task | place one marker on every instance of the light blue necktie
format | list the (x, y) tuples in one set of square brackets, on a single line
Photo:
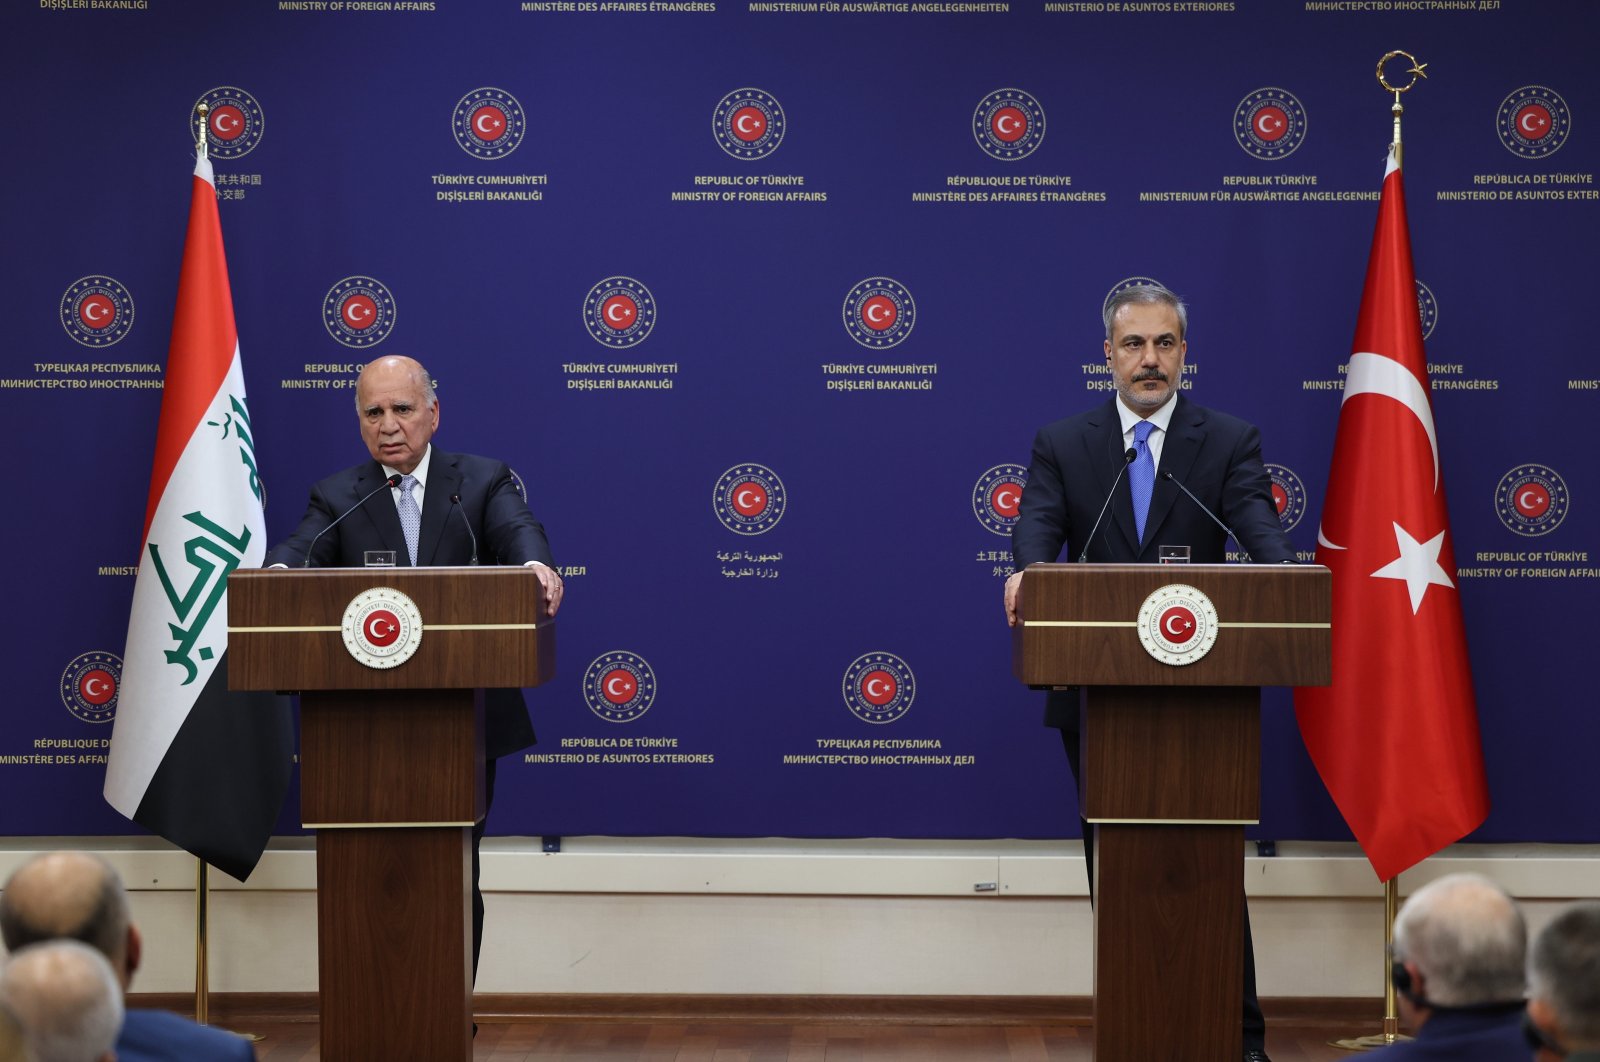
[(1142, 476), (411, 516)]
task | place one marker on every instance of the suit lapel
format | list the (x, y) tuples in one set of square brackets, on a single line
[(1106, 451), (1185, 435), (444, 482), (380, 511)]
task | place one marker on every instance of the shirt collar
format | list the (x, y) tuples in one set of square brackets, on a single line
[(1160, 418)]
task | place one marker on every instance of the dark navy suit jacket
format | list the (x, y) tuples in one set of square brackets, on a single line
[(489, 502), (1479, 1034), (161, 1036), (1075, 461)]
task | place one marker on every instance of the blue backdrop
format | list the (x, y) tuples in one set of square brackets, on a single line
[(784, 206)]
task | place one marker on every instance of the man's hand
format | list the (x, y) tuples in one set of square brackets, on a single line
[(553, 587), (1013, 597)]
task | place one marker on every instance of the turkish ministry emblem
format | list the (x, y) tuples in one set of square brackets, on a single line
[(749, 499), (619, 686), (879, 687), (1288, 495), (619, 312), (1177, 624), (1008, 124), (89, 686), (234, 124), (997, 498), (748, 124), (382, 627), (1531, 500), (1533, 122), (488, 123), (1270, 123), (97, 311), (879, 313), (358, 312)]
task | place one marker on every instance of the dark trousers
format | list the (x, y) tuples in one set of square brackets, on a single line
[(1255, 1026), (477, 839)]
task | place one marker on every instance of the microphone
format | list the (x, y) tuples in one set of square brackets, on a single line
[(1226, 530), (1127, 459), (391, 483), (455, 503)]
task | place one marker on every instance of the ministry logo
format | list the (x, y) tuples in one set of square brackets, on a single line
[(488, 123), (749, 499), (1008, 124), (1533, 122), (619, 312), (234, 124), (1531, 500), (1288, 495), (89, 686), (619, 686), (1270, 123), (997, 497), (1427, 309), (748, 124), (879, 687), (97, 311), (879, 313), (358, 312)]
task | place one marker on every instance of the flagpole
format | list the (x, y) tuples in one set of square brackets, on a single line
[(202, 886), (1391, 888)]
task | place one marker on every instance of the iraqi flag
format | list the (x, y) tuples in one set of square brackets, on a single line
[(205, 768), (1395, 737)]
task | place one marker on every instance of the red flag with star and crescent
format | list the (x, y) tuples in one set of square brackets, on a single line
[(1395, 737)]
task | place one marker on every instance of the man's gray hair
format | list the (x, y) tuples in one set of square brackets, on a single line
[(67, 998), (1147, 295), (72, 895), (1564, 972), (1467, 937)]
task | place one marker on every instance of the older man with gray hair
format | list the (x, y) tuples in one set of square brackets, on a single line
[(1459, 947), (67, 998), (1563, 1017), (79, 896)]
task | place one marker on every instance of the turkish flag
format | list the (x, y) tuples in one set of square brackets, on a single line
[(1395, 737)]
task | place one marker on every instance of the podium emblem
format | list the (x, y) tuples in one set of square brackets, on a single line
[(382, 627), (1177, 624)]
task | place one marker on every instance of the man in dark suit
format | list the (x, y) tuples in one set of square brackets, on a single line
[(1077, 461), (78, 896), (1460, 943), (448, 509)]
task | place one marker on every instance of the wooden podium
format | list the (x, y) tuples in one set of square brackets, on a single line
[(391, 778), (1171, 775)]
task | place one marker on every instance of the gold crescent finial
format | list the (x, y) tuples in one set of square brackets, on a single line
[(1418, 72), (201, 110)]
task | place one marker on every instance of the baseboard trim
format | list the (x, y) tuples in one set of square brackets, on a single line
[(238, 1008)]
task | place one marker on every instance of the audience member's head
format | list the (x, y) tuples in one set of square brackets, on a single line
[(13, 1044), (1459, 942), (72, 895), (68, 1000), (1564, 984)]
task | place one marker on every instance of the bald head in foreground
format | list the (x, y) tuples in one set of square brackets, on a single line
[(78, 897)]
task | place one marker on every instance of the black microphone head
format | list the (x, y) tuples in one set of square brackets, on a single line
[(1166, 475), (394, 481), (455, 499), (1129, 455)]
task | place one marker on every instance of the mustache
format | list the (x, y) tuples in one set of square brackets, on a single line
[(1148, 374)]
